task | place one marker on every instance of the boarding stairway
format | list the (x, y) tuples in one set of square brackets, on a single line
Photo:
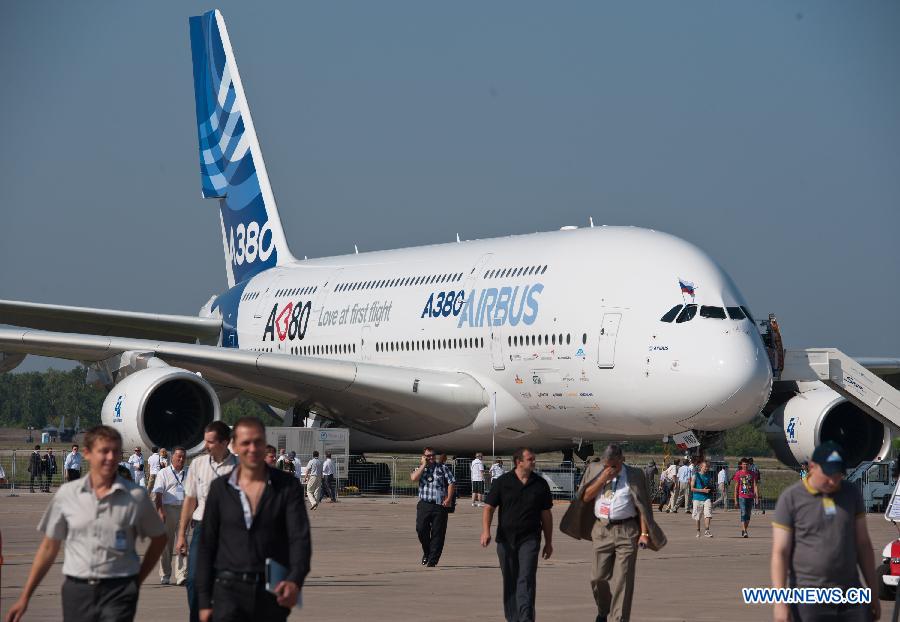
[(848, 377)]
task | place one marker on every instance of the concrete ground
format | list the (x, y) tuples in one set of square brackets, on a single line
[(366, 566)]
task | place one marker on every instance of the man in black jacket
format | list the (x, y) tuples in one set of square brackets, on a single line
[(254, 514), (36, 466)]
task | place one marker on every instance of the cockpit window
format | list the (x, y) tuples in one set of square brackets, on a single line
[(716, 313), (748, 314), (671, 313), (736, 313), (687, 314)]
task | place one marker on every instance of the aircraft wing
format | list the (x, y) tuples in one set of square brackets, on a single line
[(400, 403), (181, 328)]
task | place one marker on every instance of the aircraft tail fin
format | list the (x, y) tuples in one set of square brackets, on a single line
[(231, 163)]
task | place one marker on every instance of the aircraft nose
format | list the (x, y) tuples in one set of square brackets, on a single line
[(740, 383)]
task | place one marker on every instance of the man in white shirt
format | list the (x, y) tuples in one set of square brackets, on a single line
[(722, 485), (623, 523), (72, 465), (685, 472), (671, 476), (476, 469), (217, 461), (153, 466), (168, 497), (136, 464), (496, 470), (313, 478), (328, 483), (298, 465)]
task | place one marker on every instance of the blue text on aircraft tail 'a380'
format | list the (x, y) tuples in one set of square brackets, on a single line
[(231, 165)]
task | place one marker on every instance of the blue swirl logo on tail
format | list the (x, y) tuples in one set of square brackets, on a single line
[(227, 167)]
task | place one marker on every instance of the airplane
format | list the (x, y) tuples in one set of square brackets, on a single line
[(548, 340)]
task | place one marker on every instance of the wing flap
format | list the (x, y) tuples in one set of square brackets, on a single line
[(84, 320), (399, 403)]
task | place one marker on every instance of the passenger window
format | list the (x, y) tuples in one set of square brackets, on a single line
[(671, 314), (687, 314), (735, 313), (715, 313)]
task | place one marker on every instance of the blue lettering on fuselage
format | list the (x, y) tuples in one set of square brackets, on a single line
[(500, 306)]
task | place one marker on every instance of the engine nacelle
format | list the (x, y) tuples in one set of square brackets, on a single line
[(161, 406), (820, 415)]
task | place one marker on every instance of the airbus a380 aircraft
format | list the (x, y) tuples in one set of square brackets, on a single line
[(577, 334)]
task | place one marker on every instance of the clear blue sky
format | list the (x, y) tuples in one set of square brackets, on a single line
[(767, 133)]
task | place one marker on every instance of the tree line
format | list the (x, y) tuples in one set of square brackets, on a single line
[(40, 399)]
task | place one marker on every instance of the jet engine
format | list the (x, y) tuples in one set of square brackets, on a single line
[(822, 414), (161, 406)]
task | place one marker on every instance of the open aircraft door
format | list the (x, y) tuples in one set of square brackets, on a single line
[(606, 344)]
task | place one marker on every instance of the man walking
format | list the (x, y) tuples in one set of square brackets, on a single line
[(525, 501), (613, 510), (136, 464), (722, 485), (701, 490), (672, 474), (100, 517), (217, 461), (72, 465), (329, 483), (153, 467), (476, 471), (685, 473), (650, 473), (262, 508), (168, 496), (745, 494), (820, 540), (436, 487), (36, 466), (50, 468), (314, 481)]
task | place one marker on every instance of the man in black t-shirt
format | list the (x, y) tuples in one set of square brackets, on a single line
[(525, 501)]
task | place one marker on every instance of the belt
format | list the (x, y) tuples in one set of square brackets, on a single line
[(106, 581), (195, 523), (610, 523), (243, 577)]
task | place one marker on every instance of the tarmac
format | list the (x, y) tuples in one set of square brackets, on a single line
[(366, 565)]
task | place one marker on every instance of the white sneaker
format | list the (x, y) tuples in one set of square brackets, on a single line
[(707, 534), (698, 533)]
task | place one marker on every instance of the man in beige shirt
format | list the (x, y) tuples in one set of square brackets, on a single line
[(100, 517), (217, 461)]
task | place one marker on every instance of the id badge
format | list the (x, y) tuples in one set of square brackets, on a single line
[(604, 509), (828, 505), (121, 540)]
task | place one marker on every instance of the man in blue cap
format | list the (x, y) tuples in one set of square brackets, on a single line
[(820, 540)]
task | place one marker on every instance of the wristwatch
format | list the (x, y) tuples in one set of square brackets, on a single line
[(645, 535)]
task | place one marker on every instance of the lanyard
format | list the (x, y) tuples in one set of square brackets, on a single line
[(179, 481)]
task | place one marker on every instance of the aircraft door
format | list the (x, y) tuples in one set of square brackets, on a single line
[(497, 354), (365, 344), (606, 345)]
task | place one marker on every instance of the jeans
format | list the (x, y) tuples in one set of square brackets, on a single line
[(746, 509), (193, 550)]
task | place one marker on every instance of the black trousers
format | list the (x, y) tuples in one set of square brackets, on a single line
[(35, 476), (518, 563), (431, 525), (831, 613), (330, 487), (112, 600), (236, 601), (72, 475)]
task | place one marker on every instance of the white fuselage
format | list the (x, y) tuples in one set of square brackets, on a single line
[(563, 326)]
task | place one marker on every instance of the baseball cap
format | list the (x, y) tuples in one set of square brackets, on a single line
[(830, 457)]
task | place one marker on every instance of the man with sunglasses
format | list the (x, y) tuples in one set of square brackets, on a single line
[(436, 487)]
